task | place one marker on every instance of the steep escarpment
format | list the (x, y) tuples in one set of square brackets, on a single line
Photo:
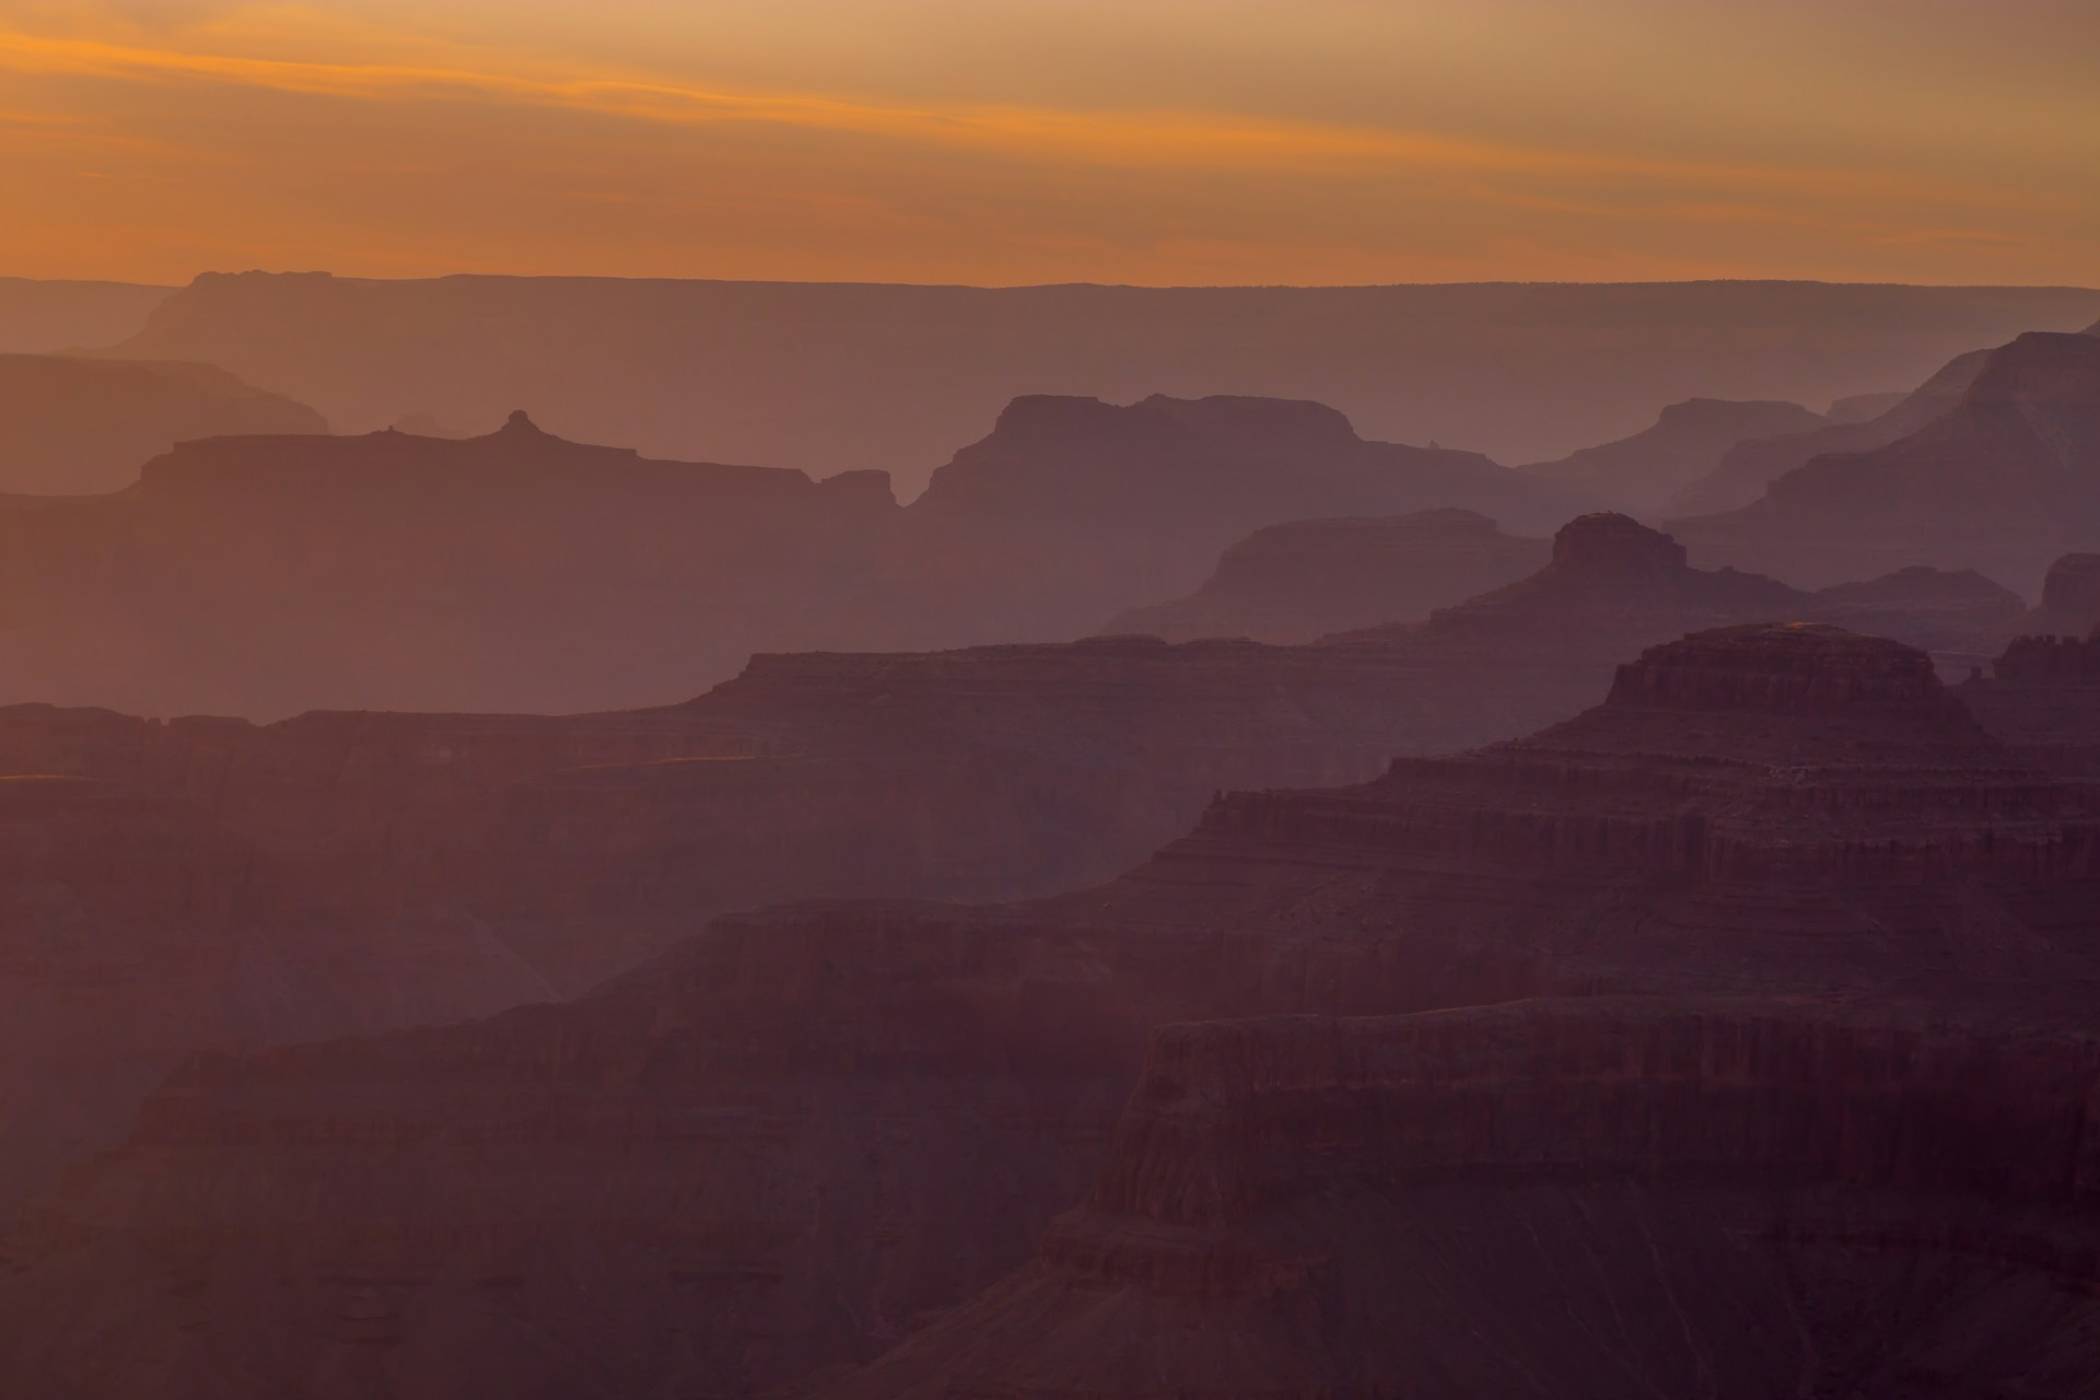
[(1747, 468), (1584, 1198), (74, 426), (2005, 481), (1296, 582), (405, 868), (2070, 605), (266, 575), (788, 1142), (1112, 503), (1647, 471)]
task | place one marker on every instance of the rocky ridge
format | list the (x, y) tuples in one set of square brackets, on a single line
[(1648, 471), (808, 1127), (2004, 481)]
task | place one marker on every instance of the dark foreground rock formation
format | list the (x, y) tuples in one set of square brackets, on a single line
[(210, 882), (1648, 471), (1796, 1081), (1297, 582), (75, 426), (2005, 481)]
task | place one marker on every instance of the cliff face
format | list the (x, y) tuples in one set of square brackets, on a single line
[(784, 1144), (1646, 472), (1110, 503), (397, 869), (73, 426), (1748, 467), (1234, 463), (1296, 582), (266, 575), (2004, 481), (1567, 1199), (2070, 605)]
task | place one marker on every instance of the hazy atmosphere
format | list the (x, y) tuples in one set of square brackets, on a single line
[(833, 700)]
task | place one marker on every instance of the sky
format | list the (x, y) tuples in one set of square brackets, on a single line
[(1025, 141)]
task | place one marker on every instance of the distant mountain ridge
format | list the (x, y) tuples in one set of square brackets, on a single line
[(41, 317), (840, 376), (519, 570), (1644, 472), (72, 425), (2005, 479)]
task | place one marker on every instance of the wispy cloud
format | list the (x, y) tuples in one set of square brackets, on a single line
[(1135, 138)]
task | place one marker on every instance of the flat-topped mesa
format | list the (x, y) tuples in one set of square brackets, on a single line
[(1203, 465), (1784, 668), (1625, 579), (1618, 546), (1866, 716), (1758, 757)]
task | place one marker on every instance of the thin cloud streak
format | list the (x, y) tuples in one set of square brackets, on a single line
[(1135, 138)]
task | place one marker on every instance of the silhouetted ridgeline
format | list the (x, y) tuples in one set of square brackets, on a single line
[(1799, 1032), (834, 376)]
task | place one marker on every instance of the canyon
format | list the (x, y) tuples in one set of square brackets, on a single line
[(1779, 891)]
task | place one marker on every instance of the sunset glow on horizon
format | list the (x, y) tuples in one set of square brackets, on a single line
[(1161, 141)]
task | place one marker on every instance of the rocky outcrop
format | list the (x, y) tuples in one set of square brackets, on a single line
[(2070, 605), (73, 426), (2004, 481), (1646, 472), (1229, 462), (791, 1142), (1296, 582)]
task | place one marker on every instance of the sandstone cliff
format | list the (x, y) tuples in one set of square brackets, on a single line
[(1572, 1199)]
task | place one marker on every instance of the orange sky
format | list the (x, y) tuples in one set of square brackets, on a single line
[(1002, 141)]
